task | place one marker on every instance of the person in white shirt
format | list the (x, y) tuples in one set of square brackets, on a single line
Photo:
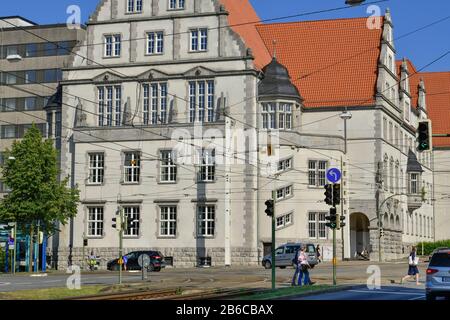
[(413, 262)]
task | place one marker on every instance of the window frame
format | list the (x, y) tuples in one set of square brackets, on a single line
[(207, 169), (209, 223), (96, 222), (116, 46), (134, 211), (98, 169), (134, 169), (170, 221), (167, 163), (197, 46), (156, 42), (319, 173), (202, 107)]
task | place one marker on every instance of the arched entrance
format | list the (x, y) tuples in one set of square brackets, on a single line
[(359, 233)]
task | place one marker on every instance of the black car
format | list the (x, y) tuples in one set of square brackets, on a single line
[(156, 261)]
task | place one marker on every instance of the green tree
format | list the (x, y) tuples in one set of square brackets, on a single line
[(36, 192)]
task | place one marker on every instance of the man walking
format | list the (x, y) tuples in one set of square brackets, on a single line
[(297, 267)]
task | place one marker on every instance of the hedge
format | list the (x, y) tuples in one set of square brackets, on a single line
[(428, 247)]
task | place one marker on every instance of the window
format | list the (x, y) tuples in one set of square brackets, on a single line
[(113, 45), (134, 6), (317, 172), (208, 166), (284, 165), (206, 220), (201, 100), (11, 50), (110, 106), (30, 104), (155, 103), (132, 167), (284, 221), (385, 129), (9, 105), (168, 221), (168, 166), (52, 75), (96, 168), (176, 4), (2, 158), (50, 49), (30, 77), (132, 213), (391, 175), (407, 111), (10, 78), (284, 193), (414, 183), (155, 42), (31, 50), (385, 173), (390, 63), (268, 115), (199, 39), (285, 116), (316, 225), (8, 132), (50, 125), (64, 48), (391, 136), (95, 221)]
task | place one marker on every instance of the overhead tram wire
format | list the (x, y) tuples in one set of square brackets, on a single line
[(168, 93)]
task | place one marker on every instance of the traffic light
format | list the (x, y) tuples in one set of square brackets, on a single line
[(342, 218), (424, 135), (332, 218), (41, 237), (381, 232), (270, 208), (117, 223), (328, 194), (336, 194), (85, 242)]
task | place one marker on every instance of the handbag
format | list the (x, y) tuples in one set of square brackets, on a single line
[(304, 267)]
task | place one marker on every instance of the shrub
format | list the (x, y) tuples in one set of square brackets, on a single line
[(2, 259), (428, 247)]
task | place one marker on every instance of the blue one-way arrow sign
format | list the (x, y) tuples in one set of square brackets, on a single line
[(333, 175)]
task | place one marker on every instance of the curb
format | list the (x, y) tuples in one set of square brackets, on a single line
[(328, 290)]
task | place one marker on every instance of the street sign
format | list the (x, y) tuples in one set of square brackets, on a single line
[(144, 260), (333, 175)]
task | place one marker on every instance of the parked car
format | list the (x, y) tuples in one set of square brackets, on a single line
[(285, 254), (156, 261), (438, 275)]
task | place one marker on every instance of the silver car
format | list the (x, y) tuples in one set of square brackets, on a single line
[(285, 254), (438, 275)]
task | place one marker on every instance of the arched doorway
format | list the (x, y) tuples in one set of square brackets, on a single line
[(359, 233)]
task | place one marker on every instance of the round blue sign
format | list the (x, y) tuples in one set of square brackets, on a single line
[(333, 175)]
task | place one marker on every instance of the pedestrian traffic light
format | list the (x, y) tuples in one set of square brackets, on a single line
[(270, 208), (332, 218), (381, 232), (336, 194), (117, 223), (328, 194), (85, 242), (424, 135)]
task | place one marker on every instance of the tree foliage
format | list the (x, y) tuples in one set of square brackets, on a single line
[(36, 192)]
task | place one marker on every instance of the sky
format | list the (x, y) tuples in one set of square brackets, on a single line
[(421, 47)]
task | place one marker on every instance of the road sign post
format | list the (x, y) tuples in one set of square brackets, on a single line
[(144, 262)]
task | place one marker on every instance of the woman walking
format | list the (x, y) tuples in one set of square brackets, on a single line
[(318, 253), (413, 262), (304, 268)]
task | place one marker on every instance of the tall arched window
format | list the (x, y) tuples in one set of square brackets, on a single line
[(397, 177), (385, 172)]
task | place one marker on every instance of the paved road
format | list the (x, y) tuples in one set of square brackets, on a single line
[(247, 277), (363, 293)]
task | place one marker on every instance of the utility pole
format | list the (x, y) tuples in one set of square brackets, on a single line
[(344, 116), (377, 204), (274, 196), (123, 224)]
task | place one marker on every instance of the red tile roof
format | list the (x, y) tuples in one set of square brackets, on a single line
[(437, 86), (243, 20), (332, 62)]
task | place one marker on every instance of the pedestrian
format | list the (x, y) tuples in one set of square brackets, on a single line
[(304, 268), (125, 260), (297, 268), (413, 262), (92, 261), (318, 253)]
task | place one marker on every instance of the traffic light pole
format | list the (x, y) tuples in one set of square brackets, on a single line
[(334, 247), (273, 241), (121, 245)]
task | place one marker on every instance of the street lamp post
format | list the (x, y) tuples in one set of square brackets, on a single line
[(344, 116), (14, 224)]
